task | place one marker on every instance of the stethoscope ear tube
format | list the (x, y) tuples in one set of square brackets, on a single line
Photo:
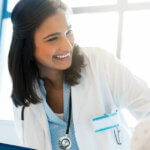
[(22, 113)]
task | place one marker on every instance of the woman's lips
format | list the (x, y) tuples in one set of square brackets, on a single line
[(63, 56)]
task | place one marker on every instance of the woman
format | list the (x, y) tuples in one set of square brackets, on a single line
[(67, 97)]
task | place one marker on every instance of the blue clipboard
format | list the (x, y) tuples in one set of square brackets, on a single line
[(12, 147)]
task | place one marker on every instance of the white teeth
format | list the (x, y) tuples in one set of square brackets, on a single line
[(63, 56)]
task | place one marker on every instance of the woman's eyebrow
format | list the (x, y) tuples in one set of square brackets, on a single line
[(57, 33)]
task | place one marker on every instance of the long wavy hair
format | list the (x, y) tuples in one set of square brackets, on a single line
[(26, 17)]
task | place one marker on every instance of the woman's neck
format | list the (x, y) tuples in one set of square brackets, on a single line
[(56, 84), (52, 79)]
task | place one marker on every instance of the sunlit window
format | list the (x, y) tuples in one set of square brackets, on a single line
[(11, 4), (96, 29), (6, 112), (136, 43), (135, 1), (83, 3)]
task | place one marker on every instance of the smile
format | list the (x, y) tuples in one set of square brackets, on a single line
[(63, 56)]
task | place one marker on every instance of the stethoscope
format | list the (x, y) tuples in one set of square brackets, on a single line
[(22, 110), (64, 142), (22, 113)]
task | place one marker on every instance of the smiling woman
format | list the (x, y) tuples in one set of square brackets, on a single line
[(40, 50), (54, 44), (65, 96)]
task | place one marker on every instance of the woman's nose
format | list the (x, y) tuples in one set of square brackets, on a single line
[(66, 44)]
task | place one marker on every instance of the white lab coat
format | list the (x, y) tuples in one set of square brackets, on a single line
[(105, 84)]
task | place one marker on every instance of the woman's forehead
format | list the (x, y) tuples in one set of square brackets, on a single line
[(57, 23), (54, 23)]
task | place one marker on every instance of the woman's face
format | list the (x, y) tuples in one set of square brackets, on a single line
[(54, 43)]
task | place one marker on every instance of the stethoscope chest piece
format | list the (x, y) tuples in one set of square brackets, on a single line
[(64, 143)]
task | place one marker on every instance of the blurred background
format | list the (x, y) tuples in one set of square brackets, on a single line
[(121, 27)]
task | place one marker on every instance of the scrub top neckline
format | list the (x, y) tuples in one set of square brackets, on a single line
[(51, 115)]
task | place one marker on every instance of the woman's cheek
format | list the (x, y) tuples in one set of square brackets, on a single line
[(52, 50)]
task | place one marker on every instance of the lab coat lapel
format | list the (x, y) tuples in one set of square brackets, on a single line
[(36, 130), (82, 117), (87, 104)]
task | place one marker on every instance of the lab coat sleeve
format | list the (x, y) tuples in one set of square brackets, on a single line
[(127, 90)]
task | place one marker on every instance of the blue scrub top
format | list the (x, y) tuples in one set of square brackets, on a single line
[(57, 126)]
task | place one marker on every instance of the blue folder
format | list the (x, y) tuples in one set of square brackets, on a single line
[(12, 147)]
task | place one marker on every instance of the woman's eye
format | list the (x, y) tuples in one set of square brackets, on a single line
[(53, 39), (69, 32)]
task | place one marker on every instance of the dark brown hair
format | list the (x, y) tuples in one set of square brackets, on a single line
[(26, 17)]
